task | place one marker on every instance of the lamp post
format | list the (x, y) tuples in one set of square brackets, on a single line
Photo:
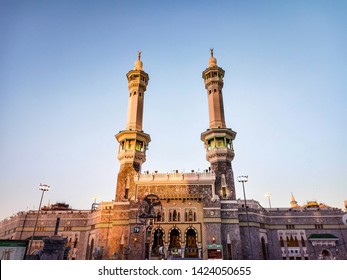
[(44, 188), (268, 195), (242, 179)]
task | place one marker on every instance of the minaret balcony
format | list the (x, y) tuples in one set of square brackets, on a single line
[(219, 154), (131, 155), (217, 133), (128, 135), (137, 84), (132, 146)]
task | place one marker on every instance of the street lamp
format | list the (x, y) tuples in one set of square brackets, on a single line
[(268, 195), (242, 179), (44, 188)]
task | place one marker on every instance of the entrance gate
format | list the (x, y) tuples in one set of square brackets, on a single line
[(191, 250)]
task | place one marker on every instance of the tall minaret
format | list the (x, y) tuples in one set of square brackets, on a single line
[(133, 142), (218, 138)]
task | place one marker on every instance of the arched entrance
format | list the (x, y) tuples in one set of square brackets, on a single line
[(191, 250), (326, 255), (174, 243), (91, 249), (158, 241), (263, 248)]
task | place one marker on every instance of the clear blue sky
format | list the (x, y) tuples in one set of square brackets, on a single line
[(63, 94)]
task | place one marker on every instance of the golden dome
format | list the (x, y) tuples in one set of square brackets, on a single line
[(313, 204)]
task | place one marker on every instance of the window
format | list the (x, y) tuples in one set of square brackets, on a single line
[(290, 226), (303, 242), (139, 146), (126, 194), (292, 241), (281, 242), (224, 192), (174, 215), (263, 248), (190, 215)]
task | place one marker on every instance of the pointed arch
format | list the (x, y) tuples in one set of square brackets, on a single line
[(326, 254), (263, 248), (191, 243), (158, 236), (174, 238)]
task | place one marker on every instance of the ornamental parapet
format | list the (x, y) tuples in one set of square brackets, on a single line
[(174, 178)]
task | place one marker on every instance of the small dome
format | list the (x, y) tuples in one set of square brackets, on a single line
[(138, 63), (212, 61), (312, 204)]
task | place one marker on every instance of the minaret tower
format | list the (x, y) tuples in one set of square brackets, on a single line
[(218, 138), (133, 142)]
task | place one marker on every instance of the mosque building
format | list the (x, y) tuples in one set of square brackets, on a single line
[(182, 215)]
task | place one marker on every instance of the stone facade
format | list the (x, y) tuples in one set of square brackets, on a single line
[(113, 232)]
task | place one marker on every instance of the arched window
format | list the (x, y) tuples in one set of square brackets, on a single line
[(263, 248), (174, 216), (281, 242), (91, 249), (190, 215), (296, 242), (303, 241)]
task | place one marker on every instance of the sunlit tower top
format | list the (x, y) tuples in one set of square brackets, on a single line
[(137, 85), (133, 142), (213, 77)]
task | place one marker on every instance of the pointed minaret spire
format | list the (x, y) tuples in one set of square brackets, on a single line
[(133, 142), (218, 138), (138, 63), (212, 62), (293, 202)]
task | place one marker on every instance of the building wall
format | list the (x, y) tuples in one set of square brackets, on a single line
[(111, 229)]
